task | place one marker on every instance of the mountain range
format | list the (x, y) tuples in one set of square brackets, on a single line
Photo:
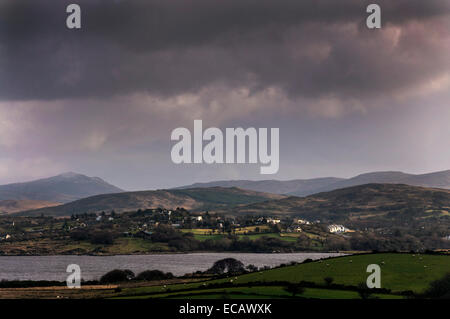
[(366, 202), (79, 193), (197, 199), (368, 205), (62, 188), (305, 187)]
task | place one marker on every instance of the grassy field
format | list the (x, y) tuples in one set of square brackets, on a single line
[(125, 246), (399, 272), (264, 292), (242, 232), (238, 231)]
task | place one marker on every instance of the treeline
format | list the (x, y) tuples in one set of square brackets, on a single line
[(358, 241), (119, 275), (368, 241)]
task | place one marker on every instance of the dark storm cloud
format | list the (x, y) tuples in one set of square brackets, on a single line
[(307, 48)]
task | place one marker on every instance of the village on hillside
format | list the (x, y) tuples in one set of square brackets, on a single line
[(166, 230)]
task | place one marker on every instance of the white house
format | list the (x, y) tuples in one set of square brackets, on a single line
[(7, 236), (301, 221), (273, 220), (337, 229)]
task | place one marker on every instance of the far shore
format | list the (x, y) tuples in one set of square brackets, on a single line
[(187, 252)]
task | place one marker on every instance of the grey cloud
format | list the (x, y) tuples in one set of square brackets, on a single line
[(307, 48)]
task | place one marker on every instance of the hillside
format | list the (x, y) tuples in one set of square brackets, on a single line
[(61, 188), (400, 272), (197, 199), (433, 180), (9, 206), (370, 201), (305, 187), (300, 186)]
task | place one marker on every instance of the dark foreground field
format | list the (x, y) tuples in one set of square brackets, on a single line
[(402, 276)]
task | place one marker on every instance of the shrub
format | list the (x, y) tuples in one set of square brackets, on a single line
[(79, 235), (328, 280), (102, 237), (363, 291), (117, 275), (439, 288), (227, 265), (252, 267), (149, 275), (294, 289)]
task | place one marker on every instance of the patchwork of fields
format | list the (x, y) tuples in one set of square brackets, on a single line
[(399, 273)]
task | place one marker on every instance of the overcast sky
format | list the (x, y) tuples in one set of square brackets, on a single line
[(103, 100)]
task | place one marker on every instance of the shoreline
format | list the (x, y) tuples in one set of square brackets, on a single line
[(185, 253), (345, 252)]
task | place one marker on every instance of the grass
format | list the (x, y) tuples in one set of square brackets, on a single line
[(212, 197), (242, 232), (239, 230), (198, 231), (257, 236), (135, 245), (399, 272), (270, 292), (205, 237)]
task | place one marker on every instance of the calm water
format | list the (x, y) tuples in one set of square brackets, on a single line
[(93, 267)]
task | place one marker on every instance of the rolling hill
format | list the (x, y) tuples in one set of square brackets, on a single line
[(301, 186), (363, 202), (433, 180), (61, 188), (197, 199), (9, 206), (305, 187), (400, 272)]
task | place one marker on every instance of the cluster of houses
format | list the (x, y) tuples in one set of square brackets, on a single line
[(148, 219)]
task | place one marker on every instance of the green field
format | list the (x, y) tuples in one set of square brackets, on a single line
[(399, 272), (242, 232)]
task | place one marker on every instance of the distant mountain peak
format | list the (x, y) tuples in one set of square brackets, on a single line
[(62, 188), (69, 174)]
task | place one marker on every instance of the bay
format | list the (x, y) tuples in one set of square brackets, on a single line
[(93, 267)]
